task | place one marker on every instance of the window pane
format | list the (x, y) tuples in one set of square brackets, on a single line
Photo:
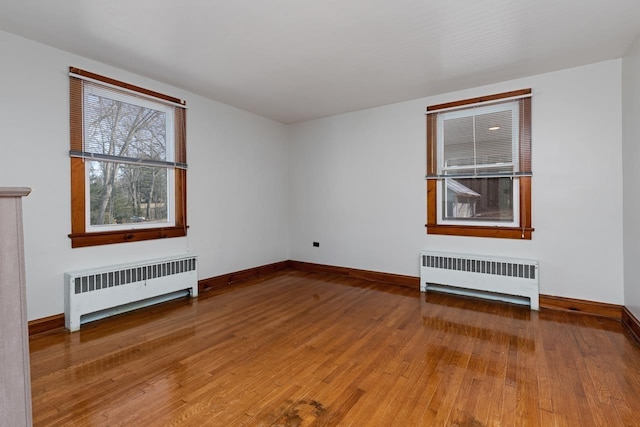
[(494, 138), (458, 143), (118, 128), (127, 194), (480, 199), (478, 137)]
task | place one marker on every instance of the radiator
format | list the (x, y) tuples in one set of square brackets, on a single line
[(110, 290), (506, 279)]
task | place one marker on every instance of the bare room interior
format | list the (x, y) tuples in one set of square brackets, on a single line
[(292, 213)]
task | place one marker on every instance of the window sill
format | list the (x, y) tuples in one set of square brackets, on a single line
[(480, 231), (81, 240)]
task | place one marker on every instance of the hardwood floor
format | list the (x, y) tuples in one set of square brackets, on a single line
[(301, 349)]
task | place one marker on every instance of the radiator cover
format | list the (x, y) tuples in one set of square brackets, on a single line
[(115, 289), (500, 278)]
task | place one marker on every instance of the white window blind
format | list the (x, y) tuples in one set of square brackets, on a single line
[(121, 127), (480, 141)]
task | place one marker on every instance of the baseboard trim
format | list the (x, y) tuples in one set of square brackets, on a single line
[(631, 323), (225, 280), (602, 309), (550, 302), (46, 324), (393, 279), (56, 321)]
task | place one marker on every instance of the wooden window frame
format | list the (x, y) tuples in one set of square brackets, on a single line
[(79, 235), (524, 230)]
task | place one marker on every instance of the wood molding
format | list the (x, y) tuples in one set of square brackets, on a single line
[(487, 98), (480, 231), (581, 306), (546, 301), (631, 323), (114, 82), (82, 240), (46, 324), (394, 279), (56, 321), (224, 280)]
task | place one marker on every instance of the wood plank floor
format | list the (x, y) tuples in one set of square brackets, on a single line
[(302, 349)]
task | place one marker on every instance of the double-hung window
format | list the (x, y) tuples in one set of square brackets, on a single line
[(128, 162), (479, 166)]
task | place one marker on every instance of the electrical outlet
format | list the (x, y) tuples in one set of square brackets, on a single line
[(316, 244)]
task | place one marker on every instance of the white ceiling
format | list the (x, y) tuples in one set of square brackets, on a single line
[(294, 60)]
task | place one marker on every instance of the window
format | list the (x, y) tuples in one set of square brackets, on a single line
[(479, 167), (128, 162)]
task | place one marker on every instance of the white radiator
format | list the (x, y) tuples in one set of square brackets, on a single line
[(115, 289), (505, 279)]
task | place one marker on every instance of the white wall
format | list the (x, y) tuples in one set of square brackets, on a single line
[(357, 186), (631, 173), (237, 179), (261, 192)]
